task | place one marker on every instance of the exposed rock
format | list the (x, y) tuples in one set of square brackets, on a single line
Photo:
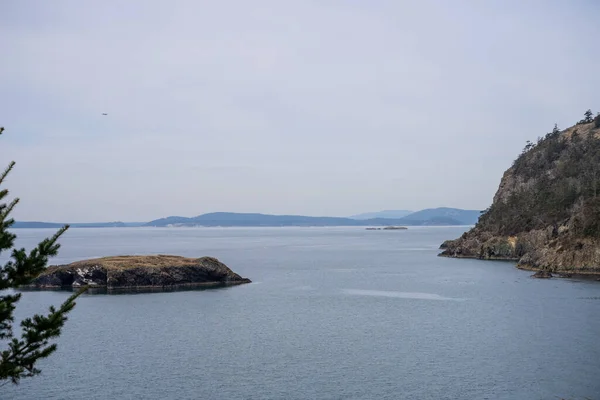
[(545, 215), (139, 271), (541, 274), (445, 244)]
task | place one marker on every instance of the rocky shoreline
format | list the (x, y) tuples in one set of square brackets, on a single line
[(544, 273), (122, 272), (544, 251), (538, 272), (545, 215)]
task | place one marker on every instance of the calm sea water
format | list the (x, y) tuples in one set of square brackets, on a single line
[(333, 313)]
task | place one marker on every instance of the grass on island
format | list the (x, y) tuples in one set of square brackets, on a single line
[(126, 262)]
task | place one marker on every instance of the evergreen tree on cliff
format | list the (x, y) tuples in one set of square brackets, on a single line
[(20, 354)]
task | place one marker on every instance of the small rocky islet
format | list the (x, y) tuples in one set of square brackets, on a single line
[(150, 271)]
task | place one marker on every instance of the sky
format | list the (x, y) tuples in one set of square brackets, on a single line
[(306, 107)]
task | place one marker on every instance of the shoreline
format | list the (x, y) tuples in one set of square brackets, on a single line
[(583, 275), (105, 288), (590, 276), (240, 226), (512, 260)]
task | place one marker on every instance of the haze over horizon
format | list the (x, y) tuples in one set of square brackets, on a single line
[(310, 108)]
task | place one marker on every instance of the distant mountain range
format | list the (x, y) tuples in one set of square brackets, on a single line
[(393, 214), (452, 216), (430, 217), (35, 224), (434, 216), (242, 219)]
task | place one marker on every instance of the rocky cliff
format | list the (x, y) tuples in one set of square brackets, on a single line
[(139, 271), (545, 215)]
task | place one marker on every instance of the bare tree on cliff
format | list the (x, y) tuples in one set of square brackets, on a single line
[(18, 359)]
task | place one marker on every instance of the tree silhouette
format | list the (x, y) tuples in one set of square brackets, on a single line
[(19, 359)]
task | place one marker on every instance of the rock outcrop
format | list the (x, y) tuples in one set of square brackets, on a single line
[(541, 274), (545, 215), (139, 271)]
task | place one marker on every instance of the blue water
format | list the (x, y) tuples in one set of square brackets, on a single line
[(332, 313)]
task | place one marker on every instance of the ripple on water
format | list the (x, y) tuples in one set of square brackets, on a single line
[(400, 295)]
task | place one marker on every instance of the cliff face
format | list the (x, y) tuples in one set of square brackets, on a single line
[(546, 213), (139, 271)]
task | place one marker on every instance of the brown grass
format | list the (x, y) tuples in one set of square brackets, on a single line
[(126, 262), (583, 130)]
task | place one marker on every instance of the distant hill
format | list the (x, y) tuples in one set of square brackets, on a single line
[(429, 217), (443, 216), (393, 214), (36, 224), (253, 219), (426, 217)]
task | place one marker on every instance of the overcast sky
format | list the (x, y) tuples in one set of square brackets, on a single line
[(323, 107)]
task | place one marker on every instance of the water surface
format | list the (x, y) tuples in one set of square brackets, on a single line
[(332, 313)]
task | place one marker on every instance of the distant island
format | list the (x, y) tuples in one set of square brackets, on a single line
[(433, 217), (139, 272), (391, 214), (35, 224), (442, 216), (545, 215)]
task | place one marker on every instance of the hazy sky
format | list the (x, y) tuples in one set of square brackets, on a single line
[(323, 107)]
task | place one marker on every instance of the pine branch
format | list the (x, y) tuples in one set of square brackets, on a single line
[(8, 209), (3, 194), (19, 361), (24, 268), (7, 170), (7, 306), (7, 238)]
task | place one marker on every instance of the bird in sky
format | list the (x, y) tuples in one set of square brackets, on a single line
[(104, 114)]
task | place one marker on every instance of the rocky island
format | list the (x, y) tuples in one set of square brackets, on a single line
[(139, 271), (545, 215)]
